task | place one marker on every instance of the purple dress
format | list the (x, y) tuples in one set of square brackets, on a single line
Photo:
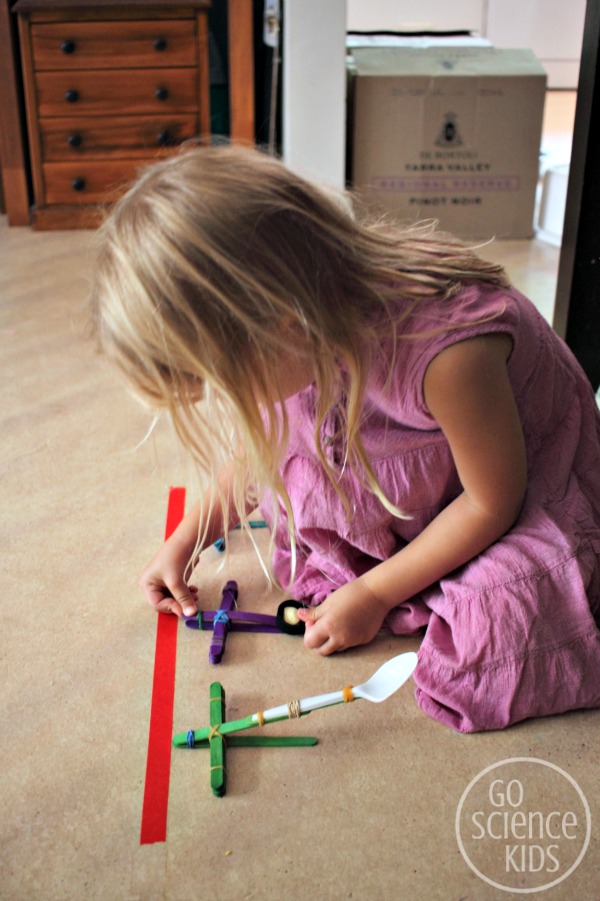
[(514, 633)]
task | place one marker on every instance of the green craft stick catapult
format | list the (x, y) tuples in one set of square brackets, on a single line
[(215, 740), (382, 684)]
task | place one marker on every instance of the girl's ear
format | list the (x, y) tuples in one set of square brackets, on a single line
[(292, 329), (294, 370)]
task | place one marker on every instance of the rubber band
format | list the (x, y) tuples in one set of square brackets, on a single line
[(219, 699), (217, 768), (348, 694), (191, 739), (220, 617), (260, 718), (214, 732), (294, 710)]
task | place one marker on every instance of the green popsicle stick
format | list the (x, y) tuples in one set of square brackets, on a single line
[(180, 740), (217, 745), (263, 741)]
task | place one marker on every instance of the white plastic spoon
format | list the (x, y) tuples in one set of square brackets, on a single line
[(382, 684)]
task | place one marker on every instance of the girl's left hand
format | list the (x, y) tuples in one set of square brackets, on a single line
[(350, 616)]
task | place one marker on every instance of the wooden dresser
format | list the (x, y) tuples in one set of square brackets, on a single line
[(108, 88)]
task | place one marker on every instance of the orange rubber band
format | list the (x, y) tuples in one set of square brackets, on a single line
[(348, 694), (260, 718)]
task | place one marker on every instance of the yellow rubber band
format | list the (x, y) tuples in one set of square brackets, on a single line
[(214, 732), (348, 694), (293, 709), (260, 718), (217, 768)]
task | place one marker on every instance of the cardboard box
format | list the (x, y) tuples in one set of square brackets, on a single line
[(450, 133)]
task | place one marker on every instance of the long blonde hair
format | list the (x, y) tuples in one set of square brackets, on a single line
[(208, 264)]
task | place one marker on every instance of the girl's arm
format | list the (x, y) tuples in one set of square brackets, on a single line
[(468, 392), (162, 581)]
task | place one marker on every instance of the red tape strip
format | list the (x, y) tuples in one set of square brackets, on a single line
[(158, 762)]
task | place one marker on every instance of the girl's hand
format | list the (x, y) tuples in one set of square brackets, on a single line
[(163, 585), (350, 616)]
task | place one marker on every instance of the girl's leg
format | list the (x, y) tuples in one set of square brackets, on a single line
[(524, 647)]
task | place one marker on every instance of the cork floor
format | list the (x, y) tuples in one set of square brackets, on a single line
[(374, 811)]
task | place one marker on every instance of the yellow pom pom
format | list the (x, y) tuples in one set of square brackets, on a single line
[(290, 615)]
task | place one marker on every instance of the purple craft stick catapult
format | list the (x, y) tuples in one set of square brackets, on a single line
[(228, 618)]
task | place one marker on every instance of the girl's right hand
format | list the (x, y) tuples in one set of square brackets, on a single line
[(163, 584), (162, 581)]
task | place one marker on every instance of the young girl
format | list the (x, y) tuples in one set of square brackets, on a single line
[(424, 447)]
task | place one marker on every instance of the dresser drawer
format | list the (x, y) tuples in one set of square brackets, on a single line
[(87, 182), (66, 46), (116, 92), (114, 137)]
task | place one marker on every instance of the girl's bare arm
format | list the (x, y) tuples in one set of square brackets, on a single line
[(163, 580), (468, 392)]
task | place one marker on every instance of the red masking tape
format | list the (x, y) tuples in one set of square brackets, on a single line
[(158, 762)]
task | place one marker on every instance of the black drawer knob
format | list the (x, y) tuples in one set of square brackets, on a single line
[(71, 96), (68, 46), (159, 44), (161, 93), (78, 184), (164, 138), (74, 140)]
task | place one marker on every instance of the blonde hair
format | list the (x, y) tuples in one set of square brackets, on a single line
[(215, 260)]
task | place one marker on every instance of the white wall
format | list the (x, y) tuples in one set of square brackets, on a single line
[(412, 15), (553, 29), (314, 89)]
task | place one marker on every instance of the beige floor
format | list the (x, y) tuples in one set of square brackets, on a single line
[(367, 814)]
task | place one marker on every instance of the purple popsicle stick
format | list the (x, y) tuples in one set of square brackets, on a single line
[(221, 623), (238, 621)]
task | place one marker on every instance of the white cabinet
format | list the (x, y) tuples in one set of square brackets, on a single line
[(553, 29)]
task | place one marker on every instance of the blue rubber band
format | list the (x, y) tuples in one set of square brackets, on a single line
[(220, 617), (190, 738)]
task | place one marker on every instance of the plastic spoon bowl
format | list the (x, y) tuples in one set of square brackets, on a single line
[(387, 679)]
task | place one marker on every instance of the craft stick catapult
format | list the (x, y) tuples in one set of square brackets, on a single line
[(220, 543), (382, 684), (216, 742), (228, 617)]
